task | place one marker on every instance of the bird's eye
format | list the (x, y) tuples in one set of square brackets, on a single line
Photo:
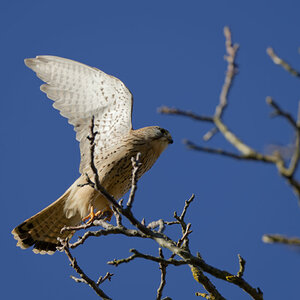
[(163, 131)]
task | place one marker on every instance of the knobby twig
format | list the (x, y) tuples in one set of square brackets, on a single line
[(231, 50), (213, 293), (137, 254), (135, 167), (101, 279), (160, 224), (241, 271), (242, 264)]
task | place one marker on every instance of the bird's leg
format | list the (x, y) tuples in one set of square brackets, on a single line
[(90, 217), (107, 213)]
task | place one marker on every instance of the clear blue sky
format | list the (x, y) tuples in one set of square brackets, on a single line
[(166, 52)]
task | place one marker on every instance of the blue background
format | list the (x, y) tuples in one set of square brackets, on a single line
[(167, 53)]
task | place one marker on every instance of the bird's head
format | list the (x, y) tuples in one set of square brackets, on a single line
[(154, 134), (164, 134), (159, 138)]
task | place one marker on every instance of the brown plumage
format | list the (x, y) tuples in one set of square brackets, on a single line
[(116, 144)]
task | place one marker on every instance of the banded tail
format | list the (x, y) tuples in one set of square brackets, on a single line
[(42, 230)]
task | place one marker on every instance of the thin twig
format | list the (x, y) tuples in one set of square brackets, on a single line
[(193, 146), (279, 61), (163, 270), (106, 277), (203, 295), (231, 50), (289, 172), (242, 264), (85, 226), (280, 239), (108, 231), (84, 278), (279, 112), (137, 254), (186, 206), (118, 216), (135, 168), (185, 235), (185, 228), (175, 111)]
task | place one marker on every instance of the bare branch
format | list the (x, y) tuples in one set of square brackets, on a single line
[(118, 216), (230, 73), (279, 61), (242, 264), (207, 284), (240, 273), (117, 262), (101, 279), (280, 239), (135, 168), (203, 295), (184, 237), (163, 241), (97, 185), (163, 270), (185, 228), (174, 111), (246, 152), (159, 223), (103, 216), (298, 115), (279, 112), (289, 172), (186, 206), (84, 278), (137, 254), (254, 156), (110, 229), (209, 134), (171, 222)]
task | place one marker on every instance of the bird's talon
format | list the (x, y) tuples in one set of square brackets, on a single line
[(90, 217), (93, 216)]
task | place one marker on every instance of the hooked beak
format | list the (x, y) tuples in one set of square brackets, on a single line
[(170, 140)]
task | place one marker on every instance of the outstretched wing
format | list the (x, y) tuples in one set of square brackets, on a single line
[(80, 92)]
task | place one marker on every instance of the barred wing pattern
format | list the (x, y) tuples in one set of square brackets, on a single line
[(80, 92)]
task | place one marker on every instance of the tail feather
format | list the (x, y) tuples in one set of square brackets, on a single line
[(42, 230)]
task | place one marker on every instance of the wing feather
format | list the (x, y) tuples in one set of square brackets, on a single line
[(80, 92)]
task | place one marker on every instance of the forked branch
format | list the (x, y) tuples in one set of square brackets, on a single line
[(244, 151)]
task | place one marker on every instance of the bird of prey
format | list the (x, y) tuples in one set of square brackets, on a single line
[(82, 93)]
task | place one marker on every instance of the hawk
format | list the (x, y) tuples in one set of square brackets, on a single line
[(82, 93)]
